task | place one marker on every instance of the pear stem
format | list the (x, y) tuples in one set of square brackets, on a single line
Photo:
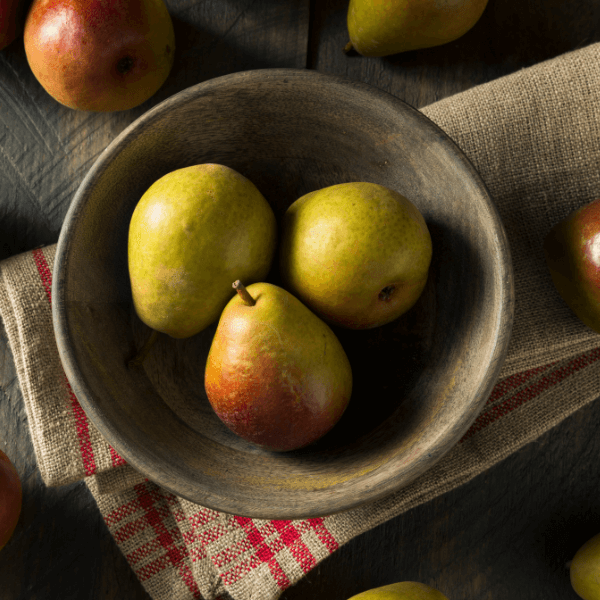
[(348, 47), (139, 358), (243, 293)]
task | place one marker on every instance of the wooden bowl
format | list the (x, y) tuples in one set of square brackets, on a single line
[(418, 382)]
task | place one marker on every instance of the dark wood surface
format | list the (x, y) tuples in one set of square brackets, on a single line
[(504, 536)]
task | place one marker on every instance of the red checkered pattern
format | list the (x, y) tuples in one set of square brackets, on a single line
[(516, 390), (177, 535), (209, 554), (80, 418)]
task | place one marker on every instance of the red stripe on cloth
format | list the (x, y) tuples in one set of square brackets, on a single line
[(207, 536), (263, 552), (44, 271), (200, 534), (81, 421), (514, 381), (196, 552), (157, 565), (145, 550), (83, 431), (174, 553), (133, 528), (202, 517), (117, 460), (138, 524), (545, 383), (323, 534), (281, 579), (122, 512), (231, 553), (241, 569), (298, 549)]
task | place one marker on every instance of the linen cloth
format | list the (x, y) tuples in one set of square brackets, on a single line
[(534, 136)]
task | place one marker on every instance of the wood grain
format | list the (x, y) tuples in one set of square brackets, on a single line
[(504, 536)]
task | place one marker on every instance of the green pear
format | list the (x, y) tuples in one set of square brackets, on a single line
[(405, 590), (357, 254), (572, 251), (585, 570), (191, 234), (276, 375), (384, 27)]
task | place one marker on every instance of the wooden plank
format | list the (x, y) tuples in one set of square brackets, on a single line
[(61, 547)]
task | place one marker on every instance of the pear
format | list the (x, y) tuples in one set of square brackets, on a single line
[(96, 55), (405, 590), (585, 570), (192, 232), (276, 375), (11, 499), (12, 19), (384, 28), (572, 252), (357, 254)]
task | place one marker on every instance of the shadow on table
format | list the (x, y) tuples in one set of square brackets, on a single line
[(510, 35)]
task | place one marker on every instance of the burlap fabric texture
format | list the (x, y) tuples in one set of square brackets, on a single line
[(534, 137)]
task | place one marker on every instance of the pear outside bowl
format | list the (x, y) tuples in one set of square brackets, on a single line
[(419, 382)]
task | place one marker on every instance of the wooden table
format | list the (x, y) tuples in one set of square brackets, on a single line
[(504, 536)]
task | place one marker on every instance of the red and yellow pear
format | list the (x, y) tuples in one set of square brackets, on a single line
[(276, 374), (572, 250), (10, 499), (100, 55)]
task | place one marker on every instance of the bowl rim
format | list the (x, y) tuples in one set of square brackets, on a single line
[(502, 327)]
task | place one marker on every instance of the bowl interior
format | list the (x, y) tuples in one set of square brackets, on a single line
[(418, 382)]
